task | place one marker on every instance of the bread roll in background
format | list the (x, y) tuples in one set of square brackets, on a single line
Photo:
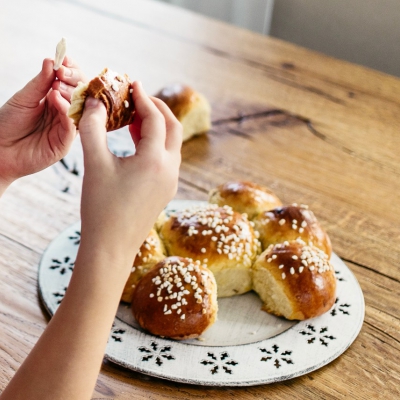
[(113, 90), (150, 253), (191, 108), (289, 223), (177, 298), (219, 237), (294, 280), (245, 197)]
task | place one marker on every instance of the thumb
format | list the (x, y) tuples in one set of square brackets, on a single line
[(34, 91), (92, 128)]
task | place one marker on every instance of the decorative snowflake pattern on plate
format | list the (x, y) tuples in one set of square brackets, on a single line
[(156, 353), (342, 308), (60, 295), (76, 238), (221, 362), (339, 276), (276, 356), (116, 334), (62, 266), (317, 335)]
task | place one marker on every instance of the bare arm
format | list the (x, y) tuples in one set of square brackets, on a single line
[(120, 201)]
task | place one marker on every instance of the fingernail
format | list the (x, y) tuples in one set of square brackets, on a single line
[(139, 83), (63, 86), (91, 102), (67, 71)]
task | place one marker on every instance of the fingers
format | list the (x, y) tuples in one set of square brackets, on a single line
[(152, 127), (59, 102), (64, 136), (64, 89), (70, 73), (69, 62), (35, 90), (135, 129), (174, 128), (92, 128)]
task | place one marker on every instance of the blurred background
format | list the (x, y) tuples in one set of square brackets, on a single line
[(365, 32)]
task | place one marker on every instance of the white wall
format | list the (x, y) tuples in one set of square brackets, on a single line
[(366, 32), (251, 14)]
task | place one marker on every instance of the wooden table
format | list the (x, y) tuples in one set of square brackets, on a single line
[(316, 130)]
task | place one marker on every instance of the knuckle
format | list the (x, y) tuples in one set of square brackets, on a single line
[(159, 118)]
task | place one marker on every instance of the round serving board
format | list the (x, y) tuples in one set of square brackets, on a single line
[(246, 346)]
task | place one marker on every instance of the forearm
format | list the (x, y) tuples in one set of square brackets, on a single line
[(121, 199), (65, 362)]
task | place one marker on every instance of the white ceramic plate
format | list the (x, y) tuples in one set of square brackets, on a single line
[(246, 346)]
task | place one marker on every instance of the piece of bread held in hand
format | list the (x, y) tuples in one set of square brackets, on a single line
[(114, 90), (191, 108), (294, 280), (177, 299), (245, 197), (150, 253)]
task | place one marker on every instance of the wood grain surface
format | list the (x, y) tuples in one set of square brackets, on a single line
[(316, 130)]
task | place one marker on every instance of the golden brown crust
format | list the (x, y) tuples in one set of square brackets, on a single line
[(114, 91), (245, 197), (289, 223), (191, 109), (303, 273), (219, 237), (179, 98), (176, 299), (150, 253)]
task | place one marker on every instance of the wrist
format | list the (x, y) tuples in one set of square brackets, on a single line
[(117, 239), (106, 256)]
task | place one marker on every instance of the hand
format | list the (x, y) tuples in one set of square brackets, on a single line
[(35, 131), (122, 197)]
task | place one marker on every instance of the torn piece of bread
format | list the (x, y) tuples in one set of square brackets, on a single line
[(114, 90), (191, 108), (294, 280)]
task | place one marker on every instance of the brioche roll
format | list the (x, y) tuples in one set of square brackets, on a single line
[(114, 91), (219, 237), (290, 223), (177, 298), (150, 253), (294, 280), (245, 197), (190, 107)]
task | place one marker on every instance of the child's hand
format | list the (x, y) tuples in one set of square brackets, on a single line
[(35, 130), (122, 197)]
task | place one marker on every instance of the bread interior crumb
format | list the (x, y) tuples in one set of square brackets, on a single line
[(271, 293), (77, 101)]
